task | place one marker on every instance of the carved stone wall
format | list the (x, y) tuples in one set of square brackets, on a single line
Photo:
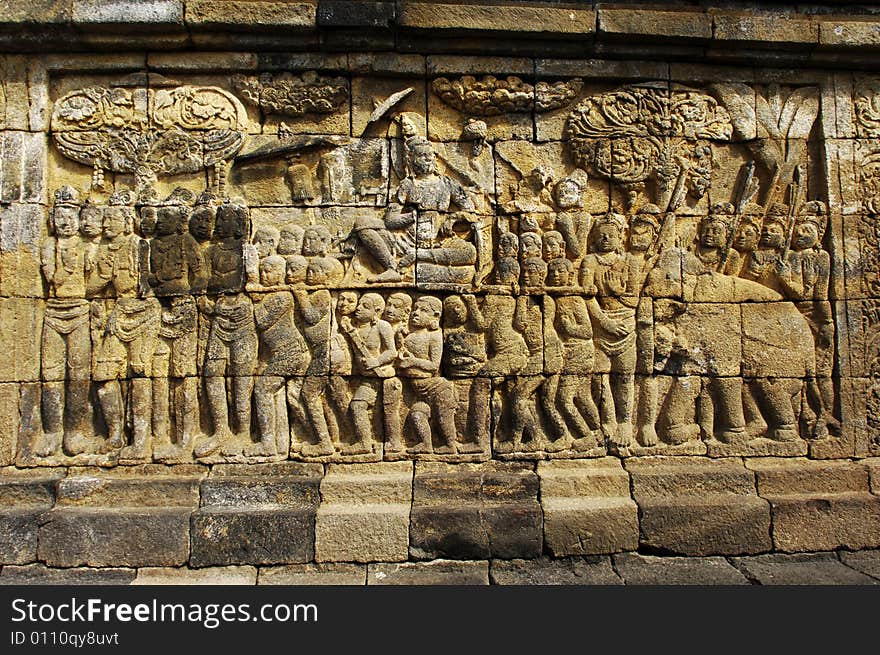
[(247, 258)]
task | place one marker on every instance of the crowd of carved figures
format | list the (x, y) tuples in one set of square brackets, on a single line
[(179, 327)]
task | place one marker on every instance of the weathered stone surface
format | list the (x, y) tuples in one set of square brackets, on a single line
[(475, 511), (698, 507), (262, 514), (222, 575), (25, 496), (226, 13), (819, 505), (671, 24), (866, 561), (161, 12), (587, 507), (429, 15), (314, 574), (803, 569), (89, 536), (364, 514), (18, 535), (544, 571), (148, 485), (39, 574), (637, 569), (437, 572), (775, 29)]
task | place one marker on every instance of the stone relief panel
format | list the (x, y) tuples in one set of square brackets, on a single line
[(248, 287)]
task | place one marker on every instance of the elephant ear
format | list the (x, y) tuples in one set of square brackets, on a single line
[(799, 113), (739, 100)]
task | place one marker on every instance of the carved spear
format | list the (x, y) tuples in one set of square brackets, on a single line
[(795, 195), (746, 188)]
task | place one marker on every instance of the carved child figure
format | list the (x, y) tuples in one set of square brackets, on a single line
[(316, 246), (418, 360)]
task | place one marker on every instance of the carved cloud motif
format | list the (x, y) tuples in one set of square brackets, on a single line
[(491, 96), (294, 95), (140, 131)]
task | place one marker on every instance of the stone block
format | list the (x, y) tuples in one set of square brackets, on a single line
[(339, 13), (148, 485), (800, 569), (19, 529), (364, 514), (873, 464), (624, 22), (257, 514), (89, 536), (202, 62), (849, 33), (471, 16), (25, 496), (9, 394), (545, 571), (438, 572), (125, 12), (587, 507), (475, 511), (335, 573), (238, 13), (39, 574), (864, 561), (774, 29), (690, 506), (795, 475), (215, 575), (15, 12), (638, 569)]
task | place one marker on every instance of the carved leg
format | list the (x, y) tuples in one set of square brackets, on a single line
[(727, 393), (680, 410), (313, 399), (360, 418), (264, 400), (242, 394), (647, 414), (756, 426), (419, 417), (340, 397), (76, 404), (524, 421), (215, 390), (622, 386), (444, 404), (549, 395), (52, 402), (392, 400), (110, 397), (777, 399), (141, 435), (477, 416), (569, 386)]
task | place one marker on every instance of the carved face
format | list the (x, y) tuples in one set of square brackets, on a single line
[(297, 265), (346, 303), (423, 161), (265, 241), (290, 242), (367, 309), (91, 220), (66, 220), (567, 194), (201, 223), (641, 236), (454, 310), (167, 220), (534, 272), (607, 238), (554, 246), (746, 238), (272, 271), (398, 308), (558, 274), (806, 236), (148, 221), (114, 222), (508, 245), (531, 245), (230, 222), (316, 242), (424, 315), (713, 234), (318, 273), (773, 235)]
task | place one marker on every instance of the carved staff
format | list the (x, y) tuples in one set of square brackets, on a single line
[(678, 193), (795, 196), (746, 188)]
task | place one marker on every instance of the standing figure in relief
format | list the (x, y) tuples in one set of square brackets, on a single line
[(423, 190), (339, 393), (764, 264), (127, 340), (372, 340), (283, 353), (418, 360), (91, 222), (65, 357), (232, 339), (506, 350), (314, 308), (805, 280), (464, 355), (397, 313), (177, 269), (201, 228), (572, 324), (605, 271)]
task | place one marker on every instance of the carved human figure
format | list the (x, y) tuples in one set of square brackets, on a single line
[(572, 222), (448, 258), (606, 271), (263, 244), (65, 357), (127, 338), (91, 222), (507, 268), (420, 195), (748, 233), (764, 264), (418, 361), (226, 252), (506, 349), (339, 393), (805, 279), (177, 266), (315, 310), (232, 351), (575, 330), (372, 341), (464, 355), (283, 354), (316, 244), (397, 313)]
